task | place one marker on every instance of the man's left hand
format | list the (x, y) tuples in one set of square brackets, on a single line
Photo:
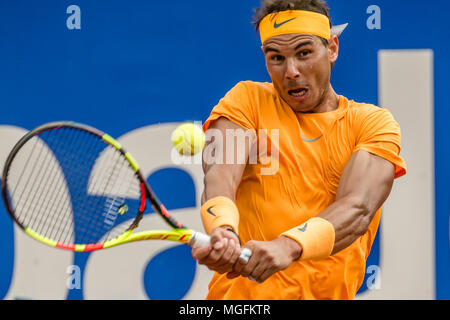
[(268, 257)]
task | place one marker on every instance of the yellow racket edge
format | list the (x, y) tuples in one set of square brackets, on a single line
[(176, 235)]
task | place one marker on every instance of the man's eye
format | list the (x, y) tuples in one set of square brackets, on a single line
[(277, 58), (304, 53)]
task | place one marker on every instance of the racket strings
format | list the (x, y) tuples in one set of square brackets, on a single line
[(96, 219), (84, 229), (84, 233), (31, 170), (33, 181), (125, 181), (49, 199), (100, 184), (47, 192), (70, 187), (51, 223), (61, 203), (22, 173), (76, 171)]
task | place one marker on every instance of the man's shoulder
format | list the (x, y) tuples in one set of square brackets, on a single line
[(364, 109), (255, 87), (363, 112), (362, 106)]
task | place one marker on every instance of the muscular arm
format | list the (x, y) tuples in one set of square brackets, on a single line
[(222, 178), (364, 186)]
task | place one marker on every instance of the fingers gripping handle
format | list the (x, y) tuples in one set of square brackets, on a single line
[(245, 254), (199, 239)]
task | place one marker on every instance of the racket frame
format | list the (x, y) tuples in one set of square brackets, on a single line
[(179, 233)]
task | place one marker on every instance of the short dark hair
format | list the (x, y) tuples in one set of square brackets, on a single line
[(271, 6)]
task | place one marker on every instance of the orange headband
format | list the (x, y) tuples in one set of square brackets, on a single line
[(294, 21)]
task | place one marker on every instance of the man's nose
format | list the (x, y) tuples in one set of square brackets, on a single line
[(292, 71)]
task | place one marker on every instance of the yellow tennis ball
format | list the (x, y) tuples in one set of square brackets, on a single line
[(188, 138)]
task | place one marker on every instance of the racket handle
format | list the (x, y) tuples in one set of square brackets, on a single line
[(199, 239)]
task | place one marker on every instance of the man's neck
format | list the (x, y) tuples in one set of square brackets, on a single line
[(330, 102)]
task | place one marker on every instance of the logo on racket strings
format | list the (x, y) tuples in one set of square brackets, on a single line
[(122, 209), (114, 208)]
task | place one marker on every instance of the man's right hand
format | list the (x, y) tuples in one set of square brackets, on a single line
[(222, 253)]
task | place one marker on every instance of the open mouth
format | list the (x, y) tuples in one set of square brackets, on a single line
[(298, 92)]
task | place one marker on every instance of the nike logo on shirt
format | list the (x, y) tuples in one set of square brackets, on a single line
[(313, 140)]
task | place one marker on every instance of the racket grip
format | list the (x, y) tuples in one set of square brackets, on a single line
[(199, 239)]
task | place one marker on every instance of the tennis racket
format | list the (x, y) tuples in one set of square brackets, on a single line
[(73, 187)]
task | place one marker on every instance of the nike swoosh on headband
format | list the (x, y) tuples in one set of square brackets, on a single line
[(277, 25), (313, 140)]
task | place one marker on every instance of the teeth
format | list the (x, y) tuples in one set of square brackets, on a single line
[(298, 93)]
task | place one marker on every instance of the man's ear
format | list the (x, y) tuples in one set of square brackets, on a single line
[(333, 48)]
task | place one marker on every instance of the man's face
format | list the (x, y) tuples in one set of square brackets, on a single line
[(300, 68)]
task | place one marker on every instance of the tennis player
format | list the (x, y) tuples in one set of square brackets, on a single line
[(311, 224)]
